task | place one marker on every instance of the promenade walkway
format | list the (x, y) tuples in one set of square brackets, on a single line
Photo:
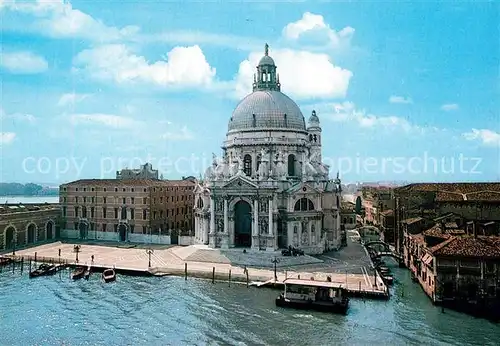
[(201, 261)]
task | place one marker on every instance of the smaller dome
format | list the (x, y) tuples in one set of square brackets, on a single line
[(313, 120), (266, 60)]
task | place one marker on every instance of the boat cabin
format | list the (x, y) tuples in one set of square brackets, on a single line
[(311, 290)]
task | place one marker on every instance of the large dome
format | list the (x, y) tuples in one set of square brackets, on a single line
[(267, 109)]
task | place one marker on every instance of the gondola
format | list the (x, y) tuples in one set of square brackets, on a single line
[(109, 275), (43, 270), (78, 273)]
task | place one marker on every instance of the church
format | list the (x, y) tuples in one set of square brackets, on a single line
[(269, 189)]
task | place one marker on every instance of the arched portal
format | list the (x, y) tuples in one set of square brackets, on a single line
[(49, 230), (122, 231), (242, 224), (83, 227), (9, 237), (31, 233)]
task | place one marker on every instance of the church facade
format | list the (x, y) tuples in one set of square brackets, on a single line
[(269, 189)]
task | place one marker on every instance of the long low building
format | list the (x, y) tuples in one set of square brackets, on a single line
[(135, 210), (26, 224)]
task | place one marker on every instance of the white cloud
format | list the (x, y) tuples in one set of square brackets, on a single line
[(311, 28), (108, 120), (400, 99), (23, 62), (302, 74), (7, 137), (182, 135), (182, 67), (70, 99), (58, 19), (449, 107), (347, 112), (484, 136), (23, 117)]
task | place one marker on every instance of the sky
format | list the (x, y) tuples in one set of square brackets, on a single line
[(403, 91)]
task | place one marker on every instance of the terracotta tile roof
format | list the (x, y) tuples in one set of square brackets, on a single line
[(129, 182), (437, 231), (469, 246), (419, 238), (412, 220), (456, 191)]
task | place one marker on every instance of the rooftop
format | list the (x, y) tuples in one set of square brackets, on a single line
[(469, 246), (129, 182), (18, 208), (456, 191)]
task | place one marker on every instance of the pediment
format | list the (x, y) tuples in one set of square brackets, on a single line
[(240, 183), (303, 188)]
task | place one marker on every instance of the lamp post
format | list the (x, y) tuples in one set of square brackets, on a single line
[(275, 261), (77, 251), (149, 252)]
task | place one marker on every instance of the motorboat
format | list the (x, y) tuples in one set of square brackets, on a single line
[(324, 296), (388, 279), (43, 270), (109, 275), (78, 273)]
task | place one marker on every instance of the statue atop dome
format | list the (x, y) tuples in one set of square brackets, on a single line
[(266, 50)]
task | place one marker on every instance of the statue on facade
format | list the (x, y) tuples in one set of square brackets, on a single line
[(281, 169), (263, 170), (210, 172), (308, 170)]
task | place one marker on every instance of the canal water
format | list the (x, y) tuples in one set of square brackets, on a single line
[(171, 311)]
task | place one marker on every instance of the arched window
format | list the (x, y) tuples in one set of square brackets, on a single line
[(291, 165), (247, 165), (259, 159), (124, 213), (199, 204), (84, 212), (304, 204), (254, 120)]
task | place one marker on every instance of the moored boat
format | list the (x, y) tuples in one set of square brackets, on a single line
[(388, 279), (43, 270), (322, 296), (109, 275), (78, 273), (86, 274)]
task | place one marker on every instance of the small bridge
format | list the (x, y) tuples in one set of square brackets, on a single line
[(388, 254)]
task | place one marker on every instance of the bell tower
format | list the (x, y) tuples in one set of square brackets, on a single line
[(314, 130), (266, 77)]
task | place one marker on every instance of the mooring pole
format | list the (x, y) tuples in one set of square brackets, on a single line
[(229, 279), (185, 271), (35, 257), (213, 275), (22, 264)]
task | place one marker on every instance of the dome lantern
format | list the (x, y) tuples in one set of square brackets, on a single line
[(266, 77)]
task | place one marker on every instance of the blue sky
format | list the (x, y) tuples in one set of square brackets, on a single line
[(403, 91)]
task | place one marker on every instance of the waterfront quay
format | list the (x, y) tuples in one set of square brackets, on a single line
[(234, 265)]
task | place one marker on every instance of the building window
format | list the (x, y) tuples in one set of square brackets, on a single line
[(291, 165), (76, 189), (304, 204), (84, 189), (199, 204), (93, 189), (84, 199), (76, 211), (91, 211), (116, 189), (132, 200), (132, 214), (145, 200), (76, 199), (124, 189), (124, 200), (144, 214), (84, 212), (104, 200), (116, 213), (64, 212), (103, 213), (104, 189), (124, 213), (104, 227), (132, 189), (76, 225), (247, 165)]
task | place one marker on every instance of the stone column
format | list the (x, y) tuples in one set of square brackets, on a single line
[(255, 217), (205, 231), (226, 222), (270, 225), (212, 215)]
